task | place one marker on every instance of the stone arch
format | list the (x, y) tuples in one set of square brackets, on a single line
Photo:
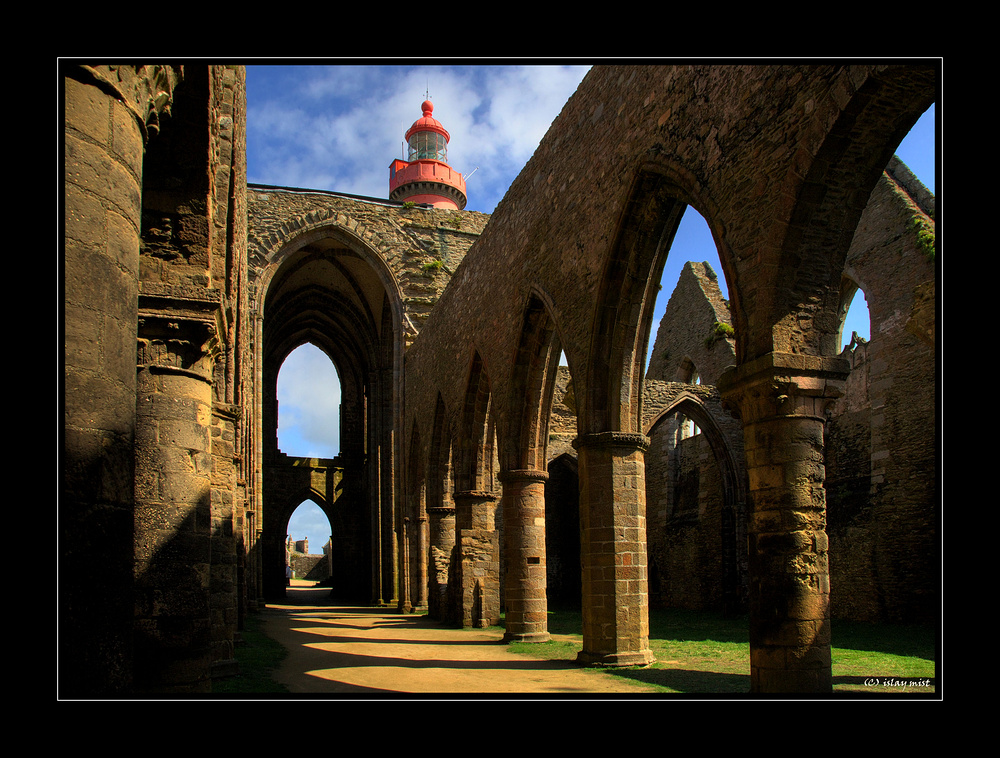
[(413, 534), (318, 394), (535, 365), (529, 405), (625, 306), (291, 500), (611, 445), (630, 279), (324, 282), (310, 316), (721, 433), (265, 255), (439, 459), (849, 289), (473, 469), (440, 508), (854, 152), (474, 572)]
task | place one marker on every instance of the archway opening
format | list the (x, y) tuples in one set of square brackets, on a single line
[(332, 297), (309, 396), (695, 521), (308, 543), (692, 243), (857, 320), (918, 150)]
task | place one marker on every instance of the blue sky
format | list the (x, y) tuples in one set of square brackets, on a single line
[(338, 128)]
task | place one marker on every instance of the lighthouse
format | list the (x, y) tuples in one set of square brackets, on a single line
[(426, 177)]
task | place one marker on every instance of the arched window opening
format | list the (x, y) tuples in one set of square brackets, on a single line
[(857, 320), (688, 372), (308, 541), (918, 150), (692, 242), (686, 427), (684, 460), (308, 404)]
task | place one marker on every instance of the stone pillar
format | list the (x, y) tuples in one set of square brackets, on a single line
[(227, 505), (406, 568), (421, 564), (783, 400), (103, 174), (173, 515), (375, 463), (613, 549), (478, 553), (524, 549), (441, 541)]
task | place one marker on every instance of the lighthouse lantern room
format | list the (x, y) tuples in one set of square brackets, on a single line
[(425, 177)]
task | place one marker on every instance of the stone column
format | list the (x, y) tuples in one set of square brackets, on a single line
[(613, 549), (375, 463), (783, 401), (405, 569), (421, 564), (478, 553), (524, 549), (442, 544), (173, 519), (103, 174)]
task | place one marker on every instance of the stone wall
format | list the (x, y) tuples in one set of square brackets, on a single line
[(155, 254), (696, 499), (882, 460), (313, 568), (421, 246), (692, 342)]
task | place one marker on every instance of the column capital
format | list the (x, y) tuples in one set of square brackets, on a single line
[(180, 328), (523, 475), (784, 384), (629, 440), (481, 495), (146, 91)]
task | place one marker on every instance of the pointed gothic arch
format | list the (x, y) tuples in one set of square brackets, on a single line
[(815, 242), (440, 507), (327, 287), (474, 578), (413, 536), (536, 363), (722, 436), (474, 455)]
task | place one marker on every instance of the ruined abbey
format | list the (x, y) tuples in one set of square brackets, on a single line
[(756, 467)]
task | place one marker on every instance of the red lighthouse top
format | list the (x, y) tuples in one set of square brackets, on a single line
[(427, 123), (426, 177)]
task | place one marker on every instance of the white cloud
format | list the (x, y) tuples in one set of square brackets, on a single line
[(339, 127), (308, 404)]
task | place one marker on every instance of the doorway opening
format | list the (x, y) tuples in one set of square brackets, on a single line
[(309, 544)]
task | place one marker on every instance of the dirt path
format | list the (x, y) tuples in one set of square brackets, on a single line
[(351, 650)]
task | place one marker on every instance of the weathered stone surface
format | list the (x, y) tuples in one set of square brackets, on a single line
[(446, 330)]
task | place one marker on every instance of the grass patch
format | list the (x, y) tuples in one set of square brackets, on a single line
[(258, 656), (708, 653)]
